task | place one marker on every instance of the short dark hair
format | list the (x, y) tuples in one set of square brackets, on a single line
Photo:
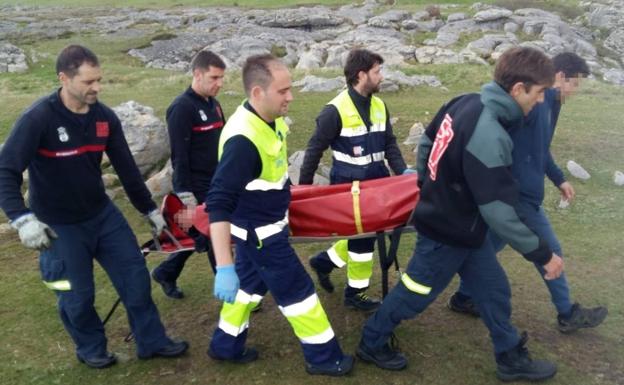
[(257, 71), (360, 60), (205, 59), (571, 64), (72, 57), (524, 64)]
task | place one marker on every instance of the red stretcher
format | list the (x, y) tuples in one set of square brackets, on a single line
[(374, 208)]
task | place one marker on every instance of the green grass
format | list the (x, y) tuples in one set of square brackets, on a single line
[(442, 347)]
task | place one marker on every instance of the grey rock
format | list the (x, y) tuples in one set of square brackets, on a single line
[(618, 178), (389, 43), (110, 180), (491, 15), (421, 16), (615, 41), (337, 56), (444, 39), (295, 161), (585, 49), (387, 86), (160, 183), (401, 79), (614, 75), (488, 43), (304, 17), (146, 135), (389, 19), (172, 54), (436, 55), (395, 15), (312, 83), (467, 55), (12, 58), (236, 50), (536, 13), (357, 14), (311, 59), (415, 133), (511, 27), (605, 17), (426, 26), (577, 170), (457, 16), (500, 49)]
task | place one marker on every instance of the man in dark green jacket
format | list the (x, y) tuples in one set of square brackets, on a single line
[(464, 162)]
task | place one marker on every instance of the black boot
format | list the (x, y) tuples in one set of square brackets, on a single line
[(322, 270), (516, 364), (581, 317), (387, 357)]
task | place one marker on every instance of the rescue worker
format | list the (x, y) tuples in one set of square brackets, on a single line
[(464, 158), (248, 199), (532, 161), (356, 124), (194, 122), (61, 139)]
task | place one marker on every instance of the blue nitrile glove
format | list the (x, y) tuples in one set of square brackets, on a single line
[(409, 171), (226, 283)]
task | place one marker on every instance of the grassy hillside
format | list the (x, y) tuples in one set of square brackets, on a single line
[(443, 348)]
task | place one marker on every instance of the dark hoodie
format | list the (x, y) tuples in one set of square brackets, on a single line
[(467, 185)]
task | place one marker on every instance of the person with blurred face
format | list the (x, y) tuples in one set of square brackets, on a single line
[(532, 161), (356, 125), (467, 188), (194, 122), (70, 219), (248, 200)]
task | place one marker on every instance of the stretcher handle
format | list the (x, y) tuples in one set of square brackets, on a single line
[(169, 235)]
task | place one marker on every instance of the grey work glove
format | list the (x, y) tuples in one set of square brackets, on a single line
[(187, 198), (33, 233), (157, 221)]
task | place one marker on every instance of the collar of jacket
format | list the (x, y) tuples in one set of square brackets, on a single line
[(191, 92), (499, 101), (57, 104), (359, 99)]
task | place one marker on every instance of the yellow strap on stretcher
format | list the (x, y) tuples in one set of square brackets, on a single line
[(357, 217)]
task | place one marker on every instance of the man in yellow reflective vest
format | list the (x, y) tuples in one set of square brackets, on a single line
[(356, 124), (248, 200)]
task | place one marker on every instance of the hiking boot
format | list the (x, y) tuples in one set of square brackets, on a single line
[(334, 369), (361, 301), (170, 288), (516, 364), (387, 357), (172, 350), (98, 362), (466, 306), (248, 355), (321, 274), (581, 317)]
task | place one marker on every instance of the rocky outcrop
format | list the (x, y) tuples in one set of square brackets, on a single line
[(146, 135), (311, 38), (12, 58)]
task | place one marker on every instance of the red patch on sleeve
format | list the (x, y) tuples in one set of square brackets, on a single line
[(101, 129)]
